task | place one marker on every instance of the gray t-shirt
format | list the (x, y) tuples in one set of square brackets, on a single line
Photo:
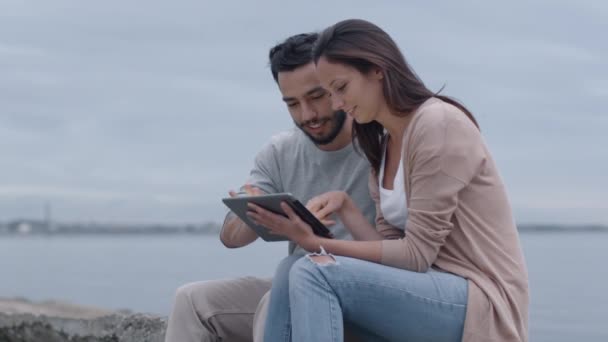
[(291, 162)]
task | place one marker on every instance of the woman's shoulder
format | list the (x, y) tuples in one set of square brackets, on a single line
[(444, 133), (437, 123), (436, 112)]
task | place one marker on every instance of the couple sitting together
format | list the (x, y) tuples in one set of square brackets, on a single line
[(425, 247)]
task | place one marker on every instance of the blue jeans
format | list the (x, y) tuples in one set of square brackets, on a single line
[(279, 293), (385, 303)]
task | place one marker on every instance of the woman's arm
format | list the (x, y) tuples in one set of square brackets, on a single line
[(444, 154), (300, 232)]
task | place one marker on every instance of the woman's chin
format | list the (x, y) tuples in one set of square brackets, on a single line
[(362, 120)]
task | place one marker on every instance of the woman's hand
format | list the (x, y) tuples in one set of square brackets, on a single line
[(327, 204), (291, 226), (338, 202)]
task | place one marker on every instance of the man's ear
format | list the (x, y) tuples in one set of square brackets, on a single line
[(378, 73)]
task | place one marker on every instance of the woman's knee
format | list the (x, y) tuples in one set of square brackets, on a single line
[(308, 270)]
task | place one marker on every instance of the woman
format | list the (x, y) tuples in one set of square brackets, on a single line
[(443, 262)]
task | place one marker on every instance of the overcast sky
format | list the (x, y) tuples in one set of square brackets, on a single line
[(150, 111)]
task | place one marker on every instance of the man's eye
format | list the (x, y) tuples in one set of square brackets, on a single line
[(292, 104), (341, 88)]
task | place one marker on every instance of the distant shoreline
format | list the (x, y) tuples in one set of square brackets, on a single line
[(544, 228), (41, 228)]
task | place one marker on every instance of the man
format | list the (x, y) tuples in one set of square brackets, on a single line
[(306, 161)]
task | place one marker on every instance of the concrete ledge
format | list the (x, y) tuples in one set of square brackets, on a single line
[(61, 322)]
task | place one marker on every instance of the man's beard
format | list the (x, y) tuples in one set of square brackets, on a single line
[(337, 120)]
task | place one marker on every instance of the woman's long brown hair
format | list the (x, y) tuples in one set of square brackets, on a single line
[(365, 46)]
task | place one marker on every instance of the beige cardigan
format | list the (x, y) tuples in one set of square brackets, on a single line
[(460, 220)]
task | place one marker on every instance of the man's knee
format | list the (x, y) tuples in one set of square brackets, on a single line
[(186, 290), (228, 296), (182, 294), (198, 295)]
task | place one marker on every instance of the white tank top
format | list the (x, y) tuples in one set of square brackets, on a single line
[(393, 202)]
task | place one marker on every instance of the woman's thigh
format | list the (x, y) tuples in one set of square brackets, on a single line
[(398, 304)]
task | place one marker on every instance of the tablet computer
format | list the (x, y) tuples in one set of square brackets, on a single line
[(272, 202)]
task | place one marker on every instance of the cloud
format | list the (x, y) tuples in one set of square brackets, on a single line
[(153, 110)]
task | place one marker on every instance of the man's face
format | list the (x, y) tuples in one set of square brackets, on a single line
[(310, 105)]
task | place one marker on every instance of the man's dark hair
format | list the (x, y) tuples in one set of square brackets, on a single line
[(291, 54)]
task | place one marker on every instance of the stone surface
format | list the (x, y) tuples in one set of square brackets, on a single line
[(25, 321)]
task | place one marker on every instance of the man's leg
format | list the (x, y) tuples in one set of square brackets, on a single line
[(216, 310)]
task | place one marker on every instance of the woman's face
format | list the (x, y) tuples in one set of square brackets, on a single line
[(359, 95)]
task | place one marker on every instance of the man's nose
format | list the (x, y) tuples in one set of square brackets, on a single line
[(308, 113)]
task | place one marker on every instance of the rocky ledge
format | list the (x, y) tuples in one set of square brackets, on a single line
[(25, 321)]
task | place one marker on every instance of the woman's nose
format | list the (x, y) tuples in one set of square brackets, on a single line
[(337, 103)]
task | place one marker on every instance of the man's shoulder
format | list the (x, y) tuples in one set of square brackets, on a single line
[(280, 144), (287, 137), (285, 141)]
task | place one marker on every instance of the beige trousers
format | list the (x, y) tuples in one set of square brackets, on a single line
[(233, 310), (219, 310)]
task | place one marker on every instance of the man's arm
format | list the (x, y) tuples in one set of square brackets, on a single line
[(235, 233), (262, 180)]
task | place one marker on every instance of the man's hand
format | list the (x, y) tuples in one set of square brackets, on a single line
[(235, 233), (249, 190)]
